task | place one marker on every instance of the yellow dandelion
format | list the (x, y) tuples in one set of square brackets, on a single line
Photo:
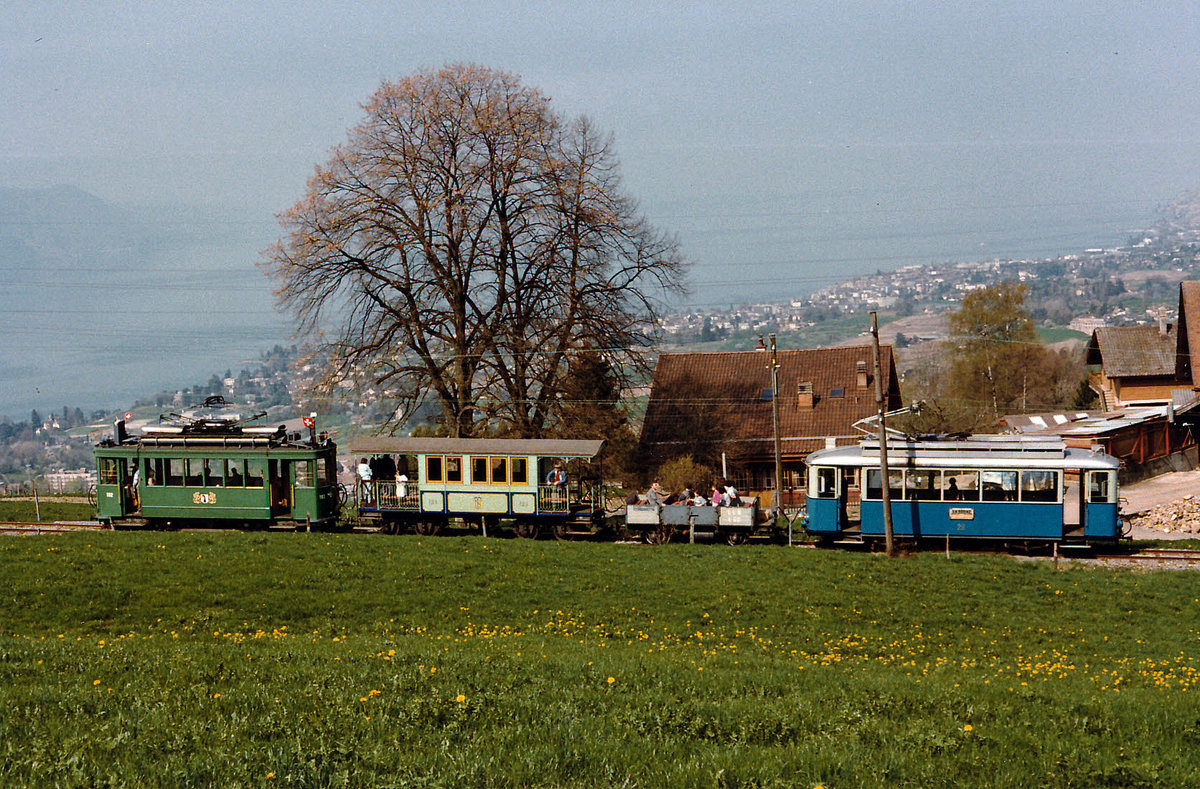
[(611, 680), (95, 682), (270, 775), (433, 669), (968, 727), (216, 695), (460, 698)]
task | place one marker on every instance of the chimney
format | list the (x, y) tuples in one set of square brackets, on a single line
[(762, 346), (804, 396), (860, 374)]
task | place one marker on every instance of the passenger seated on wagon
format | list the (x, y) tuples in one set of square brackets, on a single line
[(730, 497), (656, 495), (633, 498), (715, 495)]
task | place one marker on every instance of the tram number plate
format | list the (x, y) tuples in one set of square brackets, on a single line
[(962, 514), (204, 498)]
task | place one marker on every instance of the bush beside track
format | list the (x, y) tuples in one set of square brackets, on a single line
[(318, 659)]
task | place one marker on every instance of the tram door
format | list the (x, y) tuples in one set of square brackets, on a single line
[(279, 472), (1072, 501), (852, 500)]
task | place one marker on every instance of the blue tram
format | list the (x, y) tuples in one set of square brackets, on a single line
[(425, 483), (990, 487)]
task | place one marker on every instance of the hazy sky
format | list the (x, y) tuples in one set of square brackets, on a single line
[(874, 133)]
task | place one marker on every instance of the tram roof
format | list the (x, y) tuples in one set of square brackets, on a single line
[(974, 452), (431, 445)]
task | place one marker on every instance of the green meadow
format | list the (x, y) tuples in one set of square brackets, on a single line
[(273, 659)]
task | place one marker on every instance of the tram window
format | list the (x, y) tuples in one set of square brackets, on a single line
[(875, 489), (520, 471), (195, 473), (254, 474), (234, 473), (999, 485), (1100, 487), (479, 470), (214, 475), (328, 465), (303, 473), (922, 484), (960, 485), (499, 470), (1041, 486), (175, 471), (824, 480), (107, 471), (433, 469), (154, 472), (454, 469)]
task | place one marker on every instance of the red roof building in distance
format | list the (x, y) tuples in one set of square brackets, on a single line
[(706, 404)]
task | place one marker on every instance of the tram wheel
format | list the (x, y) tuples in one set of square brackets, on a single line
[(528, 530), (427, 528), (658, 536), (736, 538), (560, 532)]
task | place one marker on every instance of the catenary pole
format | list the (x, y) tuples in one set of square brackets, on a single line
[(889, 541), (778, 508)]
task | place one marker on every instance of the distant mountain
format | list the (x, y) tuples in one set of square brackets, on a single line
[(62, 224)]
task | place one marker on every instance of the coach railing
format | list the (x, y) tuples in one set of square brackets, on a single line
[(389, 495), (554, 499)]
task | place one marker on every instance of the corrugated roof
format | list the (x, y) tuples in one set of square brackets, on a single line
[(1133, 351), (426, 445), (726, 396)]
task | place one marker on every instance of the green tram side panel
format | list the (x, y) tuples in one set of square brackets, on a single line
[(217, 502)]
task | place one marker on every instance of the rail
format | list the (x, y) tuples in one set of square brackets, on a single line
[(554, 499), (389, 495)]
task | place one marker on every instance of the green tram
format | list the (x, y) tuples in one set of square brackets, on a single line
[(216, 472), (533, 485)]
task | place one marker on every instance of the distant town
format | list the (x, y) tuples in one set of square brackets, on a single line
[(1123, 286)]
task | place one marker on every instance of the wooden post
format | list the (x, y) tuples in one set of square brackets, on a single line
[(776, 508), (889, 539)]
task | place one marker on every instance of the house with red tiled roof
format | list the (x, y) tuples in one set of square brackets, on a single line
[(717, 407)]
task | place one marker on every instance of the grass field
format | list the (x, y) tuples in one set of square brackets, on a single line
[(52, 508), (206, 659)]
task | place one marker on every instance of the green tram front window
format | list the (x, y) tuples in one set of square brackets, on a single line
[(106, 474)]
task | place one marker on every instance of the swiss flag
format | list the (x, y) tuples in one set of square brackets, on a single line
[(309, 421)]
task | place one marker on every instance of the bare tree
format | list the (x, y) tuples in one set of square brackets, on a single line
[(463, 244)]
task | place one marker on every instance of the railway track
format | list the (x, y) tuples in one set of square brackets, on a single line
[(60, 527), (1150, 556)]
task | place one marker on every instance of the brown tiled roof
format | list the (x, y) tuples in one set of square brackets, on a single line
[(1189, 332), (1133, 351), (721, 396)]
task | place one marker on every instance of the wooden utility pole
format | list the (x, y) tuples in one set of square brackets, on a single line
[(889, 541), (778, 508)]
